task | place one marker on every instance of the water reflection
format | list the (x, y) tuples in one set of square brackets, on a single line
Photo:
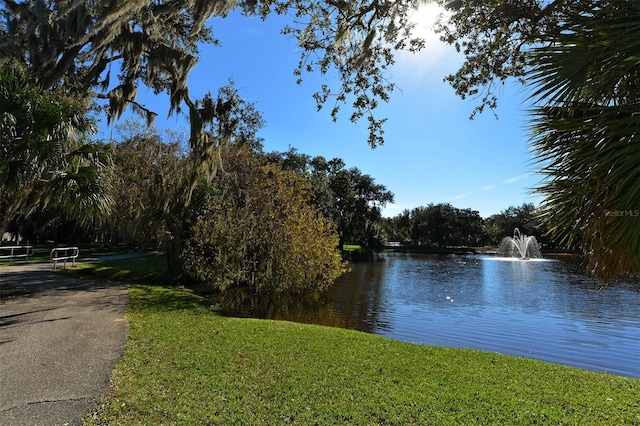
[(541, 309)]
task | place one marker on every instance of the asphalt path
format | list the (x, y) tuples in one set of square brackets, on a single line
[(59, 342)]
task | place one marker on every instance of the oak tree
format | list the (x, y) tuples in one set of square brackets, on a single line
[(104, 50)]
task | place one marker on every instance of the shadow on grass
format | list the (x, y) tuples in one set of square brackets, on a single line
[(150, 287), (145, 269), (158, 298)]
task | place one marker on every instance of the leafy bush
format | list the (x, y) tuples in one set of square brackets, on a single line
[(257, 239)]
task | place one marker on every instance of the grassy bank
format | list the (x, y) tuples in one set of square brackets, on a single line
[(185, 364)]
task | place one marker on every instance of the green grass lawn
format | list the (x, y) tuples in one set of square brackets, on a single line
[(148, 268), (185, 364)]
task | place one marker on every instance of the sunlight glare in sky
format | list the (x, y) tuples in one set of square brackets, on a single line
[(437, 55)]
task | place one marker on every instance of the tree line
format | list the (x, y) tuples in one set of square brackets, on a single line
[(65, 62), (442, 225)]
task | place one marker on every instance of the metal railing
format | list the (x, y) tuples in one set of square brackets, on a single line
[(16, 252), (64, 254)]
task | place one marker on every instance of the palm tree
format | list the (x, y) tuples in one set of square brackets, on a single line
[(586, 134), (43, 159)]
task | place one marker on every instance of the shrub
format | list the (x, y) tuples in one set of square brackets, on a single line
[(259, 240)]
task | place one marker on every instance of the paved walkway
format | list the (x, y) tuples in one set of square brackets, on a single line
[(58, 345)]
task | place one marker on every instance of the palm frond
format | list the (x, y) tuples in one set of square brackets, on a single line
[(586, 135)]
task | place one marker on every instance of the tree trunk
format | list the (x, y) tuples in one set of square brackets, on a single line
[(174, 262), (3, 229)]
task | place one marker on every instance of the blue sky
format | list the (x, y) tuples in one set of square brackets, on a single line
[(433, 153)]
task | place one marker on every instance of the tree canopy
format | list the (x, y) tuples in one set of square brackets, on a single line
[(437, 225), (107, 49), (149, 181), (496, 38), (351, 199), (45, 158)]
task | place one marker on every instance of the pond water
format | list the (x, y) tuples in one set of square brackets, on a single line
[(545, 309)]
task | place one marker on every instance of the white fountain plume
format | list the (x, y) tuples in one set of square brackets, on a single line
[(520, 245)]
